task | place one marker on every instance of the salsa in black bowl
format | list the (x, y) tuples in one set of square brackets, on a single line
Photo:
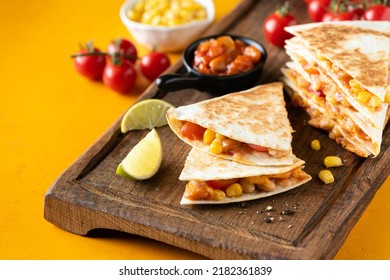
[(222, 75)]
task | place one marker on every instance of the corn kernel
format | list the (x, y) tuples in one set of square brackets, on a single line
[(208, 136), (218, 194), (375, 101), (387, 97), (167, 12), (332, 161), (216, 147), (234, 190), (326, 176), (134, 15), (219, 136), (315, 145), (354, 83), (355, 91), (364, 96)]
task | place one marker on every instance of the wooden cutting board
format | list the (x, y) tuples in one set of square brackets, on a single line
[(89, 195)]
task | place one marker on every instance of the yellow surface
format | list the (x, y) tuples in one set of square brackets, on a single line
[(49, 115)]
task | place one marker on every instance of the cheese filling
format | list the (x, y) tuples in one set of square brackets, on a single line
[(327, 115), (220, 189), (363, 96), (220, 144)]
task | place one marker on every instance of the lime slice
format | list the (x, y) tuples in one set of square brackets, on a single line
[(144, 160), (149, 113)]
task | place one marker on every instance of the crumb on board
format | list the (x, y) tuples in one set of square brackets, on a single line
[(288, 212)]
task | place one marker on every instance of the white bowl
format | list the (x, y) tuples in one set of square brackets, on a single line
[(167, 39)]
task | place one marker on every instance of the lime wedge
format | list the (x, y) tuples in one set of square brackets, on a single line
[(121, 172), (149, 113), (144, 160)]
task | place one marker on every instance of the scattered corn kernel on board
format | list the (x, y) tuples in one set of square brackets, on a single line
[(309, 222)]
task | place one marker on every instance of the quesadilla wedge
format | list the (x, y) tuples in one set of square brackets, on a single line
[(214, 180), (250, 127), (340, 74)]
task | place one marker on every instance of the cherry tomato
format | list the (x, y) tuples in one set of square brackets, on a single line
[(123, 47), (358, 11), (377, 12), (331, 16), (120, 75), (192, 131), (317, 8), (153, 64), (90, 66), (340, 11), (221, 184), (275, 23), (257, 148)]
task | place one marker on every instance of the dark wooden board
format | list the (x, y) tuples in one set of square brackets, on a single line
[(89, 195)]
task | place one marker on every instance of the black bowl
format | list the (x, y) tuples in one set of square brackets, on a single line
[(212, 83)]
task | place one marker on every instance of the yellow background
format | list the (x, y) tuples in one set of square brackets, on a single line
[(49, 115)]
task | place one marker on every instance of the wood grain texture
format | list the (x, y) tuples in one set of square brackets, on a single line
[(89, 195)]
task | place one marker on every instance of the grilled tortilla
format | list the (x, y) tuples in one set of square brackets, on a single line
[(201, 168), (341, 79), (253, 121)]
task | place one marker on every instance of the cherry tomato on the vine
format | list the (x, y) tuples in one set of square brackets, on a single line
[(123, 47), (119, 75), (90, 66), (275, 23), (377, 12), (153, 64)]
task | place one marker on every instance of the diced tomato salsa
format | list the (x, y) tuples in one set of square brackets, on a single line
[(225, 56)]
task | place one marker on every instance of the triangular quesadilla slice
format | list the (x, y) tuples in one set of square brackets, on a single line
[(340, 71), (214, 180), (319, 118), (250, 127)]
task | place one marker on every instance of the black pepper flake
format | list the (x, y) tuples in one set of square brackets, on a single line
[(288, 212), (268, 219), (243, 204)]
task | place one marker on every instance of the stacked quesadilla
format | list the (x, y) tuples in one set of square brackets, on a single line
[(241, 147), (340, 75)]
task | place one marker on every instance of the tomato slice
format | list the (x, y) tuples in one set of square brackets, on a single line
[(192, 131), (257, 148), (221, 184)]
